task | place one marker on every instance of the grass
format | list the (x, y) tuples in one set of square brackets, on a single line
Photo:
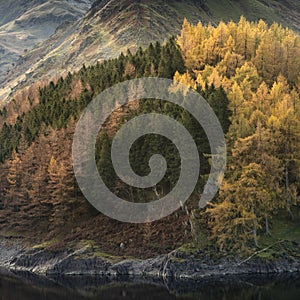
[(92, 250), (282, 242), (227, 10), (251, 9), (10, 234), (46, 244), (284, 236), (282, 228), (188, 248)]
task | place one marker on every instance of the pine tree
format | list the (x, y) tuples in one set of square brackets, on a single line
[(104, 163)]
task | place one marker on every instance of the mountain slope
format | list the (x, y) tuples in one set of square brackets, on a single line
[(113, 26), (25, 23)]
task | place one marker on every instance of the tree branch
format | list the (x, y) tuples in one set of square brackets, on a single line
[(258, 252)]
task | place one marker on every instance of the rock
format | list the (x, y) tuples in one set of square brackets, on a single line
[(15, 256)]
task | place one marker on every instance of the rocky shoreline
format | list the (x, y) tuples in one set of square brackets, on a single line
[(15, 256)]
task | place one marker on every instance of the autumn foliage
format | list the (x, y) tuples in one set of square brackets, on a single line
[(249, 74)]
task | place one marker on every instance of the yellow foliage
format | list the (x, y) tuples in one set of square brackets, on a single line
[(215, 79), (258, 67)]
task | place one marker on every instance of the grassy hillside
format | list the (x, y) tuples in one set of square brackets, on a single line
[(285, 12)]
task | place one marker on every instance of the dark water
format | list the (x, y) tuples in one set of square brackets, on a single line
[(29, 287)]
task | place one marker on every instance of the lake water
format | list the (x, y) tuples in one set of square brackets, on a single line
[(30, 287)]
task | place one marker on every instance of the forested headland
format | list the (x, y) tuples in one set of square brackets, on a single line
[(249, 74)]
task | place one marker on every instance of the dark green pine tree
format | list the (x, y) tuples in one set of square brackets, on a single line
[(103, 158), (219, 102)]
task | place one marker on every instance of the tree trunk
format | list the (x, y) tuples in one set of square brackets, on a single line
[(267, 225), (255, 230), (288, 196), (255, 234)]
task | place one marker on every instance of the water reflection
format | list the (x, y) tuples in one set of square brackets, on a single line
[(27, 286)]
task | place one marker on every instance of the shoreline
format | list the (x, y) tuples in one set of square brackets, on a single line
[(15, 256)]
